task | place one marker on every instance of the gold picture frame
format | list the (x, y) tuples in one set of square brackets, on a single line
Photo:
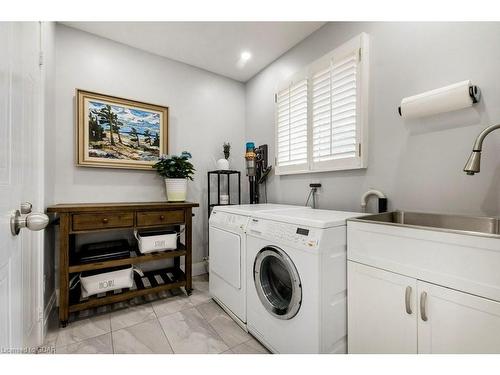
[(114, 132)]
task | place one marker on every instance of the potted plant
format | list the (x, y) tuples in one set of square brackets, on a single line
[(223, 164), (176, 170)]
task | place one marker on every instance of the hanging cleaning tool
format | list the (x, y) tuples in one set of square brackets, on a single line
[(250, 159), (257, 169), (250, 166)]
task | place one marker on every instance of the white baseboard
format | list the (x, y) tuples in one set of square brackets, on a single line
[(198, 268)]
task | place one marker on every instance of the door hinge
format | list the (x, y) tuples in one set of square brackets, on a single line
[(276, 98), (40, 59), (359, 54), (359, 149)]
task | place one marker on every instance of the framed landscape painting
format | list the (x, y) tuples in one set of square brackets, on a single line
[(119, 133)]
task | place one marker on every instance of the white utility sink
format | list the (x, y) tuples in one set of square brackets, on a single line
[(459, 252)]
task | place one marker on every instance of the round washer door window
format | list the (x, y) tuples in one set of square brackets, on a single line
[(277, 282)]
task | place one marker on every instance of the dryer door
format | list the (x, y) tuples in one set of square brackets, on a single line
[(225, 256), (277, 282)]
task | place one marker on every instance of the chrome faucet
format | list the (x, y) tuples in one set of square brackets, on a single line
[(473, 165)]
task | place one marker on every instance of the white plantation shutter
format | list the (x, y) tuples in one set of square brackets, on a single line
[(321, 117), (334, 111), (291, 137)]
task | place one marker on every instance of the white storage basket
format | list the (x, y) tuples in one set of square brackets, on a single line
[(107, 281), (149, 242)]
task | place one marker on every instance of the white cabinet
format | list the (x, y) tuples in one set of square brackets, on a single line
[(457, 322), (382, 314), (391, 313)]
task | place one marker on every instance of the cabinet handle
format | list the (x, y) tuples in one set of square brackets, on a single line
[(408, 300), (423, 306), (105, 220), (162, 217)]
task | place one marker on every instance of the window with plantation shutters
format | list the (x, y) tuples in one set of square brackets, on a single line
[(291, 130), (334, 110), (321, 115)]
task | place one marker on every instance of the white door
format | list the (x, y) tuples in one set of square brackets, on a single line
[(225, 256), (381, 315), (456, 322), (20, 171)]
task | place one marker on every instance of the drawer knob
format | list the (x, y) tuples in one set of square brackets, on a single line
[(105, 220), (162, 217)]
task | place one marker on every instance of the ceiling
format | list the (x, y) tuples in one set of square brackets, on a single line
[(213, 46)]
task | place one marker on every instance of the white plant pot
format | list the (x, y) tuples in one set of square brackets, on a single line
[(223, 164), (176, 189)]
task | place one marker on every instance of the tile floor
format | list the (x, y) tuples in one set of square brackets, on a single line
[(175, 324)]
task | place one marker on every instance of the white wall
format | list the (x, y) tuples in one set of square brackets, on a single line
[(205, 110), (417, 163)]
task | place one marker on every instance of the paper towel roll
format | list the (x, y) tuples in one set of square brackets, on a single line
[(444, 99)]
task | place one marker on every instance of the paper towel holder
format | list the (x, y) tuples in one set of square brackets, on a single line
[(474, 93)]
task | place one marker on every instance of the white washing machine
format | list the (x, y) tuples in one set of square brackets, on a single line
[(227, 247), (296, 280)]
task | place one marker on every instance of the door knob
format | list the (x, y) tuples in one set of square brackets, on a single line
[(33, 221)]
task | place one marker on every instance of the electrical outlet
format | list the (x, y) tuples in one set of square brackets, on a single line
[(316, 184)]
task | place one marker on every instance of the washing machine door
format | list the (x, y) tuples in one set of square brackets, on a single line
[(277, 282)]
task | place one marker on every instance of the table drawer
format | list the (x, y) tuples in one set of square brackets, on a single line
[(96, 220), (152, 218)]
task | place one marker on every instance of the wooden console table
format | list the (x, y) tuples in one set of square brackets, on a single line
[(98, 217)]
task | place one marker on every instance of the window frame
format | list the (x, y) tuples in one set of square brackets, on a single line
[(360, 43)]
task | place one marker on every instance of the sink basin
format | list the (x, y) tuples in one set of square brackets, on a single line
[(453, 223)]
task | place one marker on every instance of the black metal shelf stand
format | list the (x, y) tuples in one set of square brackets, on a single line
[(228, 175)]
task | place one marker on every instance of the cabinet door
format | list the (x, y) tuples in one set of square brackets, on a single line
[(381, 311), (456, 322)]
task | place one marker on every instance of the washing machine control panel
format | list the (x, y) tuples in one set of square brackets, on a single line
[(292, 234), (229, 221)]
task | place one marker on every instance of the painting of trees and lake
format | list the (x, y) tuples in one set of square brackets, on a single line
[(121, 133)]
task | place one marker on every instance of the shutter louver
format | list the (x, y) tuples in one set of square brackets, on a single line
[(334, 98), (292, 125)]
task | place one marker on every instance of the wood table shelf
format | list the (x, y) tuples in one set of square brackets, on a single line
[(178, 280), (135, 258), (79, 218)]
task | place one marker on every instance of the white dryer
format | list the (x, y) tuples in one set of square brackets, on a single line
[(296, 280), (227, 246)]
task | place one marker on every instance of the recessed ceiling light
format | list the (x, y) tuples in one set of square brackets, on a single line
[(245, 56)]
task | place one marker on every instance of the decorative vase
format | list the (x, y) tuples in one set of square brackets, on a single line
[(176, 189), (223, 164)]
